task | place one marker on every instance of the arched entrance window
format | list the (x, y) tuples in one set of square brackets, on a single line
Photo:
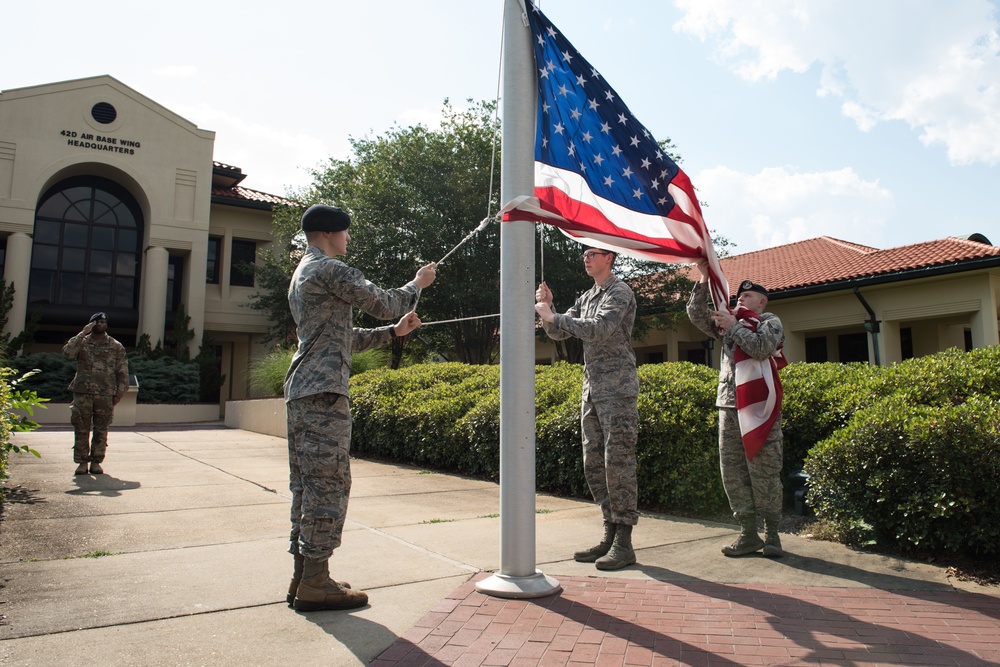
[(86, 252)]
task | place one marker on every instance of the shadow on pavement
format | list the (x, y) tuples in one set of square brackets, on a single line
[(972, 601), (100, 485), (807, 623), (355, 633), (18, 495)]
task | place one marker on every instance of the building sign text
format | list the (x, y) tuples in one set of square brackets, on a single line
[(100, 143)]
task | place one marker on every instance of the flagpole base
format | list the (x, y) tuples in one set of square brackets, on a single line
[(534, 586)]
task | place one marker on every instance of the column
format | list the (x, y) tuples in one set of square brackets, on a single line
[(794, 347), (154, 295), (17, 272), (984, 325), (194, 294), (891, 351)]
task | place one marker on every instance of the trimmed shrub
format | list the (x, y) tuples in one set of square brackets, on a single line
[(447, 416), (818, 400), (919, 469), (558, 448), (921, 478), (907, 455), (166, 380), (413, 414), (946, 378), (161, 380), (678, 448)]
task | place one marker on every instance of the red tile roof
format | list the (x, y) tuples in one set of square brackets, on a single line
[(238, 192), (226, 189), (828, 260)]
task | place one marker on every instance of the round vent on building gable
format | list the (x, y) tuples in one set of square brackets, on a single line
[(104, 113)]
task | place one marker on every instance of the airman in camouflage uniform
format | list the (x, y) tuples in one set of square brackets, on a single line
[(322, 294), (602, 318), (752, 485), (100, 382)]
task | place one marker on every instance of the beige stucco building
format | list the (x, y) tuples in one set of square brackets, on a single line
[(111, 202)]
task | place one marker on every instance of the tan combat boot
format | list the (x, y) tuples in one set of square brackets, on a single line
[(81, 469), (621, 553), (317, 591), (772, 543), (748, 541), (593, 553), (293, 586), (95, 468)]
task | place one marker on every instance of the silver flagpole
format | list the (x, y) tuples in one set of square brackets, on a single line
[(517, 577)]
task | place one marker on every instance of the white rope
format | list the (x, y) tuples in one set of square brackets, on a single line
[(458, 319), (481, 227)]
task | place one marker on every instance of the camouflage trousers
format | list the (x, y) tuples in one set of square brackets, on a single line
[(610, 430), (86, 412), (319, 472), (752, 486)]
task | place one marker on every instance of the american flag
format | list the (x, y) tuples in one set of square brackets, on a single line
[(600, 176), (758, 389)]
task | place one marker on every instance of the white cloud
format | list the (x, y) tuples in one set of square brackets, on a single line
[(777, 206), (268, 155), (932, 65)]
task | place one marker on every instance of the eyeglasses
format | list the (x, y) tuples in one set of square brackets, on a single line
[(591, 254)]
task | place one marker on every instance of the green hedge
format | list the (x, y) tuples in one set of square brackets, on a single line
[(922, 478), (166, 380), (446, 416), (161, 380), (918, 468), (820, 399)]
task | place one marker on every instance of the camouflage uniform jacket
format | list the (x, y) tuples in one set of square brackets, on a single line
[(759, 344), (602, 318), (101, 365), (321, 295)]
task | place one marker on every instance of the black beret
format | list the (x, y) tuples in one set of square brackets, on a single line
[(98, 316), (323, 218), (750, 286)]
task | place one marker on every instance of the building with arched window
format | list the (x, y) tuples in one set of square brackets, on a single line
[(111, 202)]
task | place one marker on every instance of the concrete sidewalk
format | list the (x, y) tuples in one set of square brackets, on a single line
[(187, 538)]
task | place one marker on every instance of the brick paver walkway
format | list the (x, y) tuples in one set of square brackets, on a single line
[(618, 622)]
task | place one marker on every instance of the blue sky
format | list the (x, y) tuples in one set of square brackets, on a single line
[(872, 121)]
